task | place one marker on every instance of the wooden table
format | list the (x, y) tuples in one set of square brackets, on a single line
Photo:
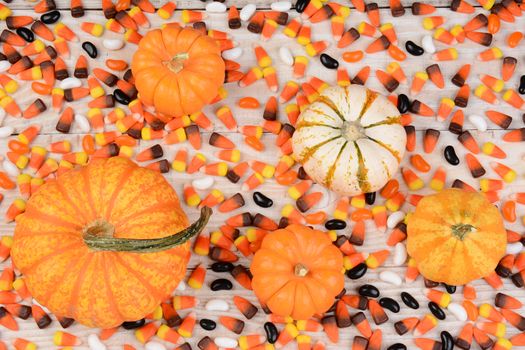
[(407, 27)]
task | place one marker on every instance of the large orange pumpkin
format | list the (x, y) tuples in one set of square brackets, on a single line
[(456, 236), (103, 244), (297, 272), (177, 70)]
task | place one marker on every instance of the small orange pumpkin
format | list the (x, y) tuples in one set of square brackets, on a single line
[(297, 272), (177, 70), (105, 243), (456, 236)]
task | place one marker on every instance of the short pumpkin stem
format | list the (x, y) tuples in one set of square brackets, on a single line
[(462, 230), (99, 236), (177, 62), (300, 270)]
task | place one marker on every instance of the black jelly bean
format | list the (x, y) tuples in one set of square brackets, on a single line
[(368, 290), (221, 284), (207, 324), (133, 324), (90, 49), (26, 34), (121, 97), (521, 88), (222, 266), (335, 224), (261, 200), (370, 198), (50, 17), (390, 304), (436, 310), (357, 271), (300, 5), (328, 61), (271, 332), (450, 155), (409, 300), (450, 289), (414, 49), (447, 341), (397, 346), (403, 103)]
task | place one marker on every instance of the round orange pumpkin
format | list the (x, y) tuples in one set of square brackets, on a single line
[(105, 243), (297, 272), (456, 236), (177, 70)]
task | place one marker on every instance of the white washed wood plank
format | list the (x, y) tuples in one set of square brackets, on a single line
[(405, 31), (196, 4)]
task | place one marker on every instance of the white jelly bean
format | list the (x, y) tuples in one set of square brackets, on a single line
[(82, 122), (215, 7), (286, 55), (113, 44), (479, 122), (10, 168), (390, 277), (247, 12), (94, 342), (225, 342), (217, 305), (394, 219), (6, 131), (514, 248), (4, 65), (153, 345), (458, 311), (70, 82), (428, 44), (282, 6), (232, 54), (400, 254), (203, 183)]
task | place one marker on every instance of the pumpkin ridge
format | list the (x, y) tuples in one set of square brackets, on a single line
[(107, 281), (69, 270), (330, 174), (64, 193), (37, 214), (55, 253), (331, 104), (309, 152), (118, 188), (147, 67), (87, 186), (394, 153), (192, 43), (75, 291), (370, 98), (160, 207), (136, 258), (362, 178), (386, 121), (189, 86), (153, 291), (139, 194)]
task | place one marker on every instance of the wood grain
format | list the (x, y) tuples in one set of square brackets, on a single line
[(407, 28), (199, 5)]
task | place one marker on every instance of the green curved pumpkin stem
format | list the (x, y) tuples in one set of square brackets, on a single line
[(96, 240), (461, 231)]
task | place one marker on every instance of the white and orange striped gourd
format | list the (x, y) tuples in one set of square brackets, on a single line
[(350, 140)]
